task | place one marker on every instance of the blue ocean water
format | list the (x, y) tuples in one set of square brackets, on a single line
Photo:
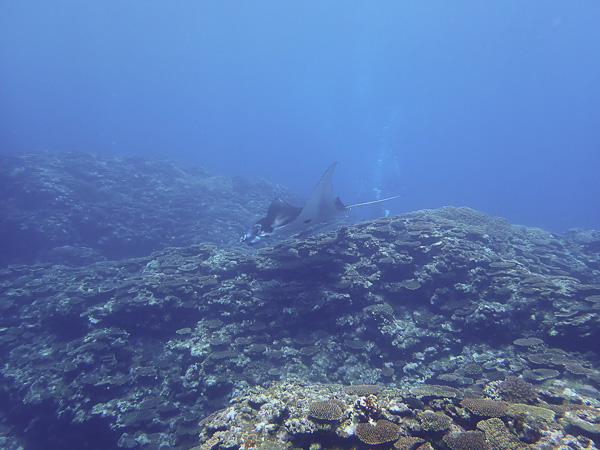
[(487, 105)]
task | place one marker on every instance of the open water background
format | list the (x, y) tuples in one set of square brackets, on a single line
[(488, 105)]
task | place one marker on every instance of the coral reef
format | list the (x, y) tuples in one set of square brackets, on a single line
[(328, 410), (522, 426), (382, 432), (485, 408), (516, 390), (466, 440), (498, 436), (442, 314), (78, 208)]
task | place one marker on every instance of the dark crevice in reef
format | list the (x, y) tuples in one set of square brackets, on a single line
[(37, 428)]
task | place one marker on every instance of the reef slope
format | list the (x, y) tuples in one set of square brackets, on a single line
[(139, 351), (79, 208)]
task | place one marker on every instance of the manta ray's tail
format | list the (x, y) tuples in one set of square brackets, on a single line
[(374, 201)]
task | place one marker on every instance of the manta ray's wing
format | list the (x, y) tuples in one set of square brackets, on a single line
[(285, 218), (279, 214), (320, 207)]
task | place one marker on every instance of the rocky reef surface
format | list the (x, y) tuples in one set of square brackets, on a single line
[(79, 208), (435, 329)]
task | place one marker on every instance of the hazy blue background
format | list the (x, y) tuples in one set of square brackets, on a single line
[(493, 105)]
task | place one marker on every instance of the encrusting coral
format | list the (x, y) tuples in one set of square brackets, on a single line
[(380, 433), (466, 440), (517, 390), (328, 410), (485, 407)]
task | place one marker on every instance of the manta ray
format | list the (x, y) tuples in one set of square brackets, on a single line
[(282, 217)]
